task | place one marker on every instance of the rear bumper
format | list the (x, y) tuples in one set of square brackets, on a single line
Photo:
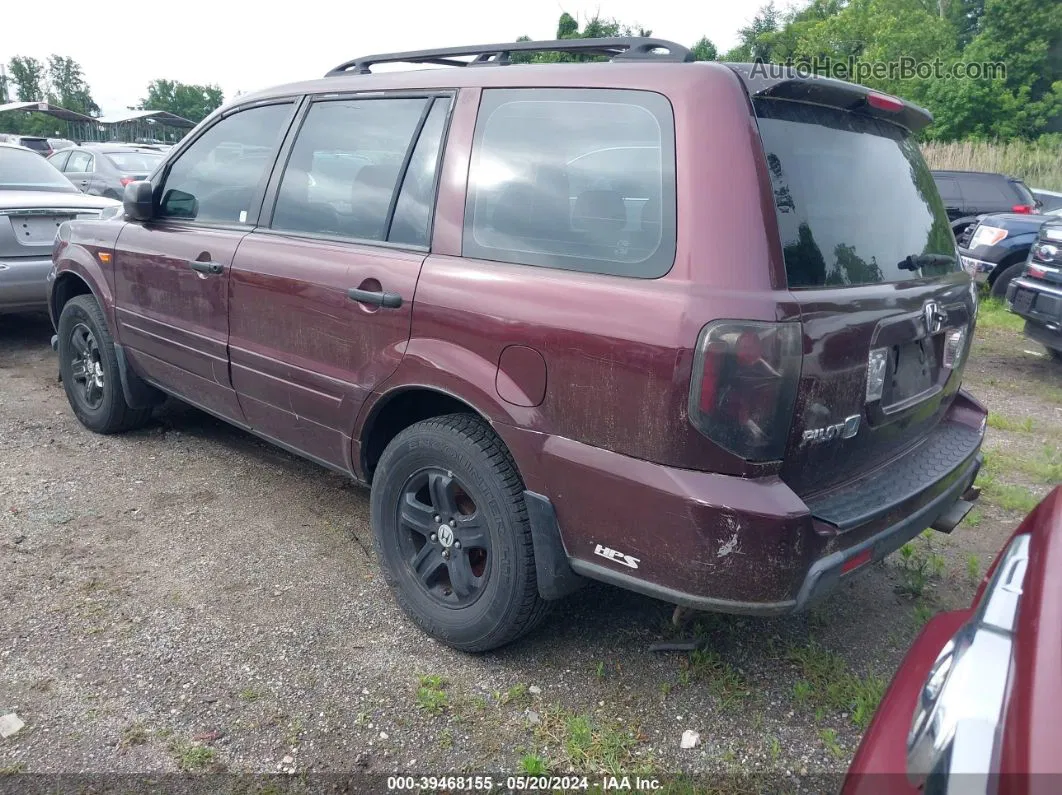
[(23, 283), (719, 543)]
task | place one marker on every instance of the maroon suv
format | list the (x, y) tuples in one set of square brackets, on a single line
[(693, 329)]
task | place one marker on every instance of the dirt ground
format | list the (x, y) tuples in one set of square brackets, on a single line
[(187, 597)]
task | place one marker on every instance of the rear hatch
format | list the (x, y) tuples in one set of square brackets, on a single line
[(886, 311)]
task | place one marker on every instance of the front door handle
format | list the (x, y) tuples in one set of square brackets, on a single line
[(212, 268), (375, 298)]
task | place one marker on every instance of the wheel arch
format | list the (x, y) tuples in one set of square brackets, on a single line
[(396, 410), (1013, 258)]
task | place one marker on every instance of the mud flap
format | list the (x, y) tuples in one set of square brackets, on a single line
[(138, 394), (555, 576)]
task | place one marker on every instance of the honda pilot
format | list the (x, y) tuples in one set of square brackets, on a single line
[(691, 329)]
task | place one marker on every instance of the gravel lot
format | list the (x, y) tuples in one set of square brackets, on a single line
[(187, 597)]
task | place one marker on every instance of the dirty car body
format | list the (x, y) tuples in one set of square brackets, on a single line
[(724, 421)]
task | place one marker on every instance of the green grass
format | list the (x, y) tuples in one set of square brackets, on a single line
[(918, 565), (1004, 423), (533, 765), (132, 735), (720, 678), (993, 315), (973, 518), (431, 695), (829, 739), (194, 758), (832, 685), (250, 695), (973, 568), (585, 744)]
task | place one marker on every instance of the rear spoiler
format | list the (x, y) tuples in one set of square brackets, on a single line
[(778, 81)]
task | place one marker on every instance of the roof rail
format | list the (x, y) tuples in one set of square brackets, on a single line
[(625, 48)]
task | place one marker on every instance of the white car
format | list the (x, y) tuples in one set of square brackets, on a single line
[(35, 199)]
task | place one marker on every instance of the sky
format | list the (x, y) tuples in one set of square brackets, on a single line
[(241, 47)]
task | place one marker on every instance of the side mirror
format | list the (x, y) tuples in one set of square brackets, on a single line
[(137, 201)]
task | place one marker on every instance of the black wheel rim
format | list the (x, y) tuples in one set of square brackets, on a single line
[(86, 369), (443, 538)]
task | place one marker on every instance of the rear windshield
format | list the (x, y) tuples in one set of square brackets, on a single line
[(37, 144), (854, 198), (135, 162), (22, 170)]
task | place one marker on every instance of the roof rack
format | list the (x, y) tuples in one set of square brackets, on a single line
[(619, 48)]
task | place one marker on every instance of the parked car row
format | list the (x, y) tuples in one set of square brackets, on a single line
[(35, 200)]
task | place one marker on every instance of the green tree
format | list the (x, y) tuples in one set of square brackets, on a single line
[(67, 87), (596, 27), (704, 50), (28, 76), (193, 102), (757, 37)]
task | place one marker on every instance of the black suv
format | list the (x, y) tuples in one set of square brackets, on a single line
[(967, 194)]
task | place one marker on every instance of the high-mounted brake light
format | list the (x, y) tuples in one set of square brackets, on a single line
[(1022, 208), (884, 102), (744, 386)]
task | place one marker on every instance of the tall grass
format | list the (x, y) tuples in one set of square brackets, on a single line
[(1038, 163)]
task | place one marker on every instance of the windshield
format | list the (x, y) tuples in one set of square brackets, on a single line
[(855, 200), (21, 169), (139, 162)]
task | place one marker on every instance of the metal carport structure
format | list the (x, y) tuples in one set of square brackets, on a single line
[(78, 126), (146, 126)]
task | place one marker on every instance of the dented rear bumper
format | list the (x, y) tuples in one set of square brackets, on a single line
[(749, 546)]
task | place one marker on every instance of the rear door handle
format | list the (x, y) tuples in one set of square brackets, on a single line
[(375, 298), (213, 268)]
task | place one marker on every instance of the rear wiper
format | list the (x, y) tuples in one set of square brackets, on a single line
[(914, 262)]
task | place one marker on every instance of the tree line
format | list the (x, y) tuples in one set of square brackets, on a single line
[(1021, 101), (61, 81)]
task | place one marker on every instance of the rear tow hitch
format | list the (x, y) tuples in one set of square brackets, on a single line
[(950, 519)]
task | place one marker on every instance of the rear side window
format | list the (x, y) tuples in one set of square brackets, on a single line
[(854, 198), (988, 192), (59, 160), (579, 179), (949, 191), (80, 162)]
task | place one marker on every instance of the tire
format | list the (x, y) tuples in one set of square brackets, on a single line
[(89, 370), (1056, 354), (485, 594), (999, 286)]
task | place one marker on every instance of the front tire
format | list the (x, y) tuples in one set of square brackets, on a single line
[(999, 286), (452, 534), (89, 369)]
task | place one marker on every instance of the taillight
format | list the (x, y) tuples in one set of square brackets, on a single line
[(126, 180), (744, 386), (1025, 209)]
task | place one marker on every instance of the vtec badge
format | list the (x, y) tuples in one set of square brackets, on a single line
[(839, 430)]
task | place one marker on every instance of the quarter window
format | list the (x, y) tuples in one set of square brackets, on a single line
[(218, 178), (345, 165), (580, 179)]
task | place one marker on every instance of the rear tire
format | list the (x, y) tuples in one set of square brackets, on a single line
[(89, 370), (452, 534), (999, 286)]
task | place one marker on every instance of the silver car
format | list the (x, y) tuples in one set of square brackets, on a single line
[(34, 200)]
